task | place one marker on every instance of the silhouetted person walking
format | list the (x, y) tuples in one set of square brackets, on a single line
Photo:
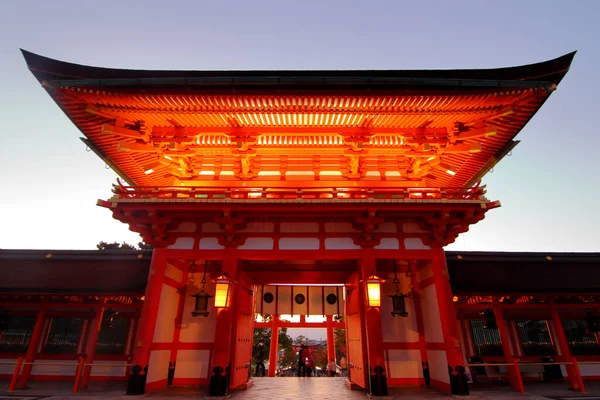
[(301, 363), (260, 360)]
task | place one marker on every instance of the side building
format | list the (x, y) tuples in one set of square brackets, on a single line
[(85, 305)]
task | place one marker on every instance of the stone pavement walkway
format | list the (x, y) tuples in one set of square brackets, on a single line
[(291, 388)]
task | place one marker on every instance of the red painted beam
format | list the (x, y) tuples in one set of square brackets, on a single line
[(280, 255), (285, 324), (282, 277)]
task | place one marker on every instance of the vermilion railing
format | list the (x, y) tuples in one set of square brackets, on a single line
[(255, 193)]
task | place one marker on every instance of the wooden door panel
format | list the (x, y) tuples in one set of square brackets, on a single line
[(243, 331), (354, 332)]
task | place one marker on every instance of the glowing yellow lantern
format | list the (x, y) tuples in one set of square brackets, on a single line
[(373, 283), (222, 291)]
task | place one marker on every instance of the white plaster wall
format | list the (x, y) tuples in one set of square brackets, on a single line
[(386, 227), (432, 325), (7, 368), (299, 227), (185, 243), (412, 227), (109, 371), (158, 368), (55, 369), (211, 227), (398, 329), (339, 227), (388, 244), (340, 244), (197, 329), (174, 273), (415, 244), (167, 309), (438, 365), (186, 227), (254, 243), (405, 364), (259, 227), (192, 364), (589, 369), (299, 244), (210, 243)]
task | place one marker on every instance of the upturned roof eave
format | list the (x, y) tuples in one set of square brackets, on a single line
[(531, 75)]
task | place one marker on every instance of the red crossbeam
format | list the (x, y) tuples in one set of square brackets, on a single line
[(339, 193)]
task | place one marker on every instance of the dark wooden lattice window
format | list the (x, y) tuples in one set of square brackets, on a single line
[(63, 336), (15, 337), (487, 341), (112, 340), (535, 337), (581, 342)]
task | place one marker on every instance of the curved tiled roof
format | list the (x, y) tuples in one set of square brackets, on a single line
[(202, 109)]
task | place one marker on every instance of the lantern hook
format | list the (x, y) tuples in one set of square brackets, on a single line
[(203, 281)]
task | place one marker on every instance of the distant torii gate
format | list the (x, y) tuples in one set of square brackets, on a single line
[(329, 324)]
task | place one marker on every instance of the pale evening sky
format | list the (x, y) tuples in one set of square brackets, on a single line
[(549, 187)]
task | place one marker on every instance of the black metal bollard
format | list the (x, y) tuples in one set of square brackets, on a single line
[(458, 381), (219, 382), (136, 384), (171, 373), (377, 381), (426, 374)]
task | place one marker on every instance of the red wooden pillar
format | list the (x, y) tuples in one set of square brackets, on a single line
[(374, 334), (221, 356), (330, 340), (34, 343), (565, 351), (274, 346), (420, 329), (456, 368), (91, 344), (177, 332), (508, 356), (147, 323)]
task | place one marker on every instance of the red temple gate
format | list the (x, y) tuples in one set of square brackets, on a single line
[(298, 165)]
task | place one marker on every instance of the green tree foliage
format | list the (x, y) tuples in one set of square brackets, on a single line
[(264, 335), (339, 337), (122, 246)]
